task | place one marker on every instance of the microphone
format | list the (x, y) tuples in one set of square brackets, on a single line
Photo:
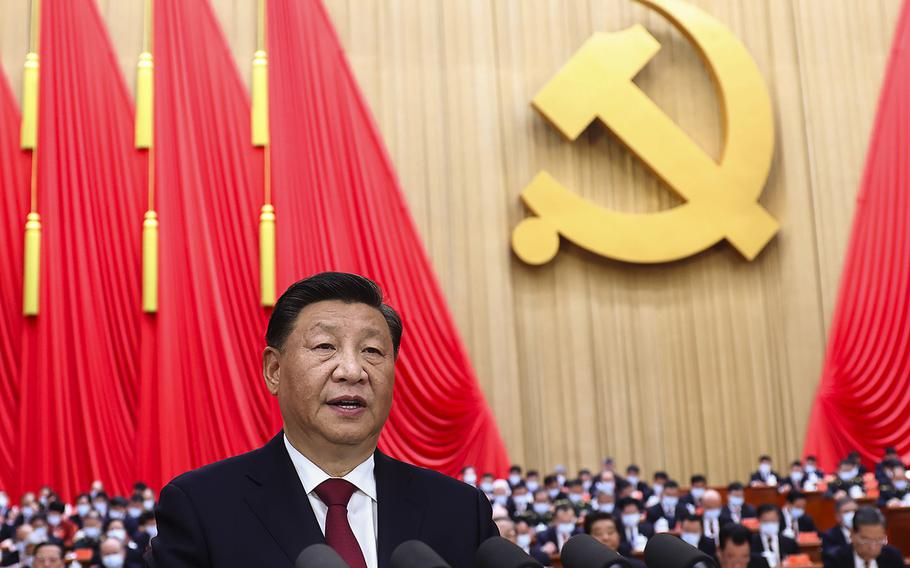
[(584, 551), (416, 554), (667, 551), (497, 552), (319, 556)]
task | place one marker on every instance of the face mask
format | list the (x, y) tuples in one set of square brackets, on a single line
[(523, 540), (764, 468), (770, 529), (810, 468), (691, 538), (575, 497), (43, 501), (119, 534), (796, 476), (541, 508), (854, 472), (53, 520), (92, 532), (501, 500), (845, 475), (847, 521), (698, 492), (633, 480), (737, 501), (149, 504), (561, 479), (565, 528), (152, 530), (797, 513), (900, 484), (631, 519), (27, 512), (669, 502), (83, 509), (4, 501), (605, 507), (712, 514), (486, 486), (118, 515), (658, 489), (553, 493), (101, 507), (38, 535), (587, 484), (606, 486), (532, 485), (112, 561), (134, 512), (470, 478), (514, 479)]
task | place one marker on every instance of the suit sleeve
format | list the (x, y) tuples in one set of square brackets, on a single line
[(486, 527), (180, 542)]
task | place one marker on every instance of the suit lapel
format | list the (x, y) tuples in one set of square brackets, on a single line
[(400, 512), (277, 498)]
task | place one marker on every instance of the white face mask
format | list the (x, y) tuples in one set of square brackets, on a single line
[(658, 489), (796, 476), (501, 500), (764, 468), (470, 478), (112, 561), (523, 540), (630, 519), (712, 514), (770, 529), (575, 497), (101, 507), (669, 501), (92, 532), (532, 485), (900, 484), (83, 509), (606, 486), (541, 508), (736, 500), (796, 512), (565, 528), (4, 500), (53, 520), (847, 519), (605, 507), (514, 479), (553, 493), (149, 504), (691, 538), (811, 468), (845, 475), (152, 530), (486, 486), (698, 492), (134, 512), (118, 515), (633, 480), (119, 534)]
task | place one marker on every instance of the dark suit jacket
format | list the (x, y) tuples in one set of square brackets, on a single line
[(757, 477), (251, 510), (787, 545), (549, 535), (832, 541), (889, 558), (804, 524), (747, 511), (657, 512)]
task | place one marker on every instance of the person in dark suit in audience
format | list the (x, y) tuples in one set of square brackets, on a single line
[(796, 479), (693, 533), (768, 542), (841, 534), (605, 529), (857, 460), (869, 547), (735, 548), (670, 508), (736, 508), (633, 476), (814, 474), (888, 461), (897, 490), (634, 530), (849, 481), (794, 519), (509, 531), (563, 527), (554, 488), (519, 501), (698, 484), (765, 475), (332, 343)]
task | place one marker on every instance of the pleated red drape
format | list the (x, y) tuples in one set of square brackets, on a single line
[(863, 401), (80, 355), (14, 190), (339, 206), (203, 398)]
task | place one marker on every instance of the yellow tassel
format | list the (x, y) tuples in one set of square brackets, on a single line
[(28, 134), (32, 264), (260, 114), (150, 262), (267, 254), (144, 100)]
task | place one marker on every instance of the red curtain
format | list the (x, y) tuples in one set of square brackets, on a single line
[(80, 355), (14, 191), (863, 401), (339, 206)]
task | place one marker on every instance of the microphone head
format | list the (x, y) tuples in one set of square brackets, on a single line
[(497, 552), (584, 551), (319, 556), (416, 554), (667, 551)]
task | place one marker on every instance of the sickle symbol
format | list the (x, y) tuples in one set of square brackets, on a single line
[(721, 198)]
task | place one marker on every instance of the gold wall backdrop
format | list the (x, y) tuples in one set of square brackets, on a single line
[(696, 365)]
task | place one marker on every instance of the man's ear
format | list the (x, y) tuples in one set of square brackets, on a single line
[(271, 369)]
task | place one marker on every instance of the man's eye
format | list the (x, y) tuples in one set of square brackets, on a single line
[(325, 346), (373, 351)]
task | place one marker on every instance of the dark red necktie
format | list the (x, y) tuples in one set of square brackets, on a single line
[(336, 493)]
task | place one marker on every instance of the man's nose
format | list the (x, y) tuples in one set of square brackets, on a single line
[(349, 367)]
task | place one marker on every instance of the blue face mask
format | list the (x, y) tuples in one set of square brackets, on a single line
[(712, 514), (797, 513)]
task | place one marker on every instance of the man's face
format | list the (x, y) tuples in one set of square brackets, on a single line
[(689, 526), (605, 532), (769, 517), (712, 501), (700, 485), (49, 556), (671, 492), (868, 541), (519, 493), (849, 507), (738, 493), (798, 504), (541, 497), (734, 555), (334, 375), (577, 489), (565, 516)]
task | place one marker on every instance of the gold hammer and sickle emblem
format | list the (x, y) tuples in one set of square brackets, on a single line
[(720, 197)]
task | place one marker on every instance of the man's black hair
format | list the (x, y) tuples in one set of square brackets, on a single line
[(348, 288), (592, 518), (867, 516), (735, 532)]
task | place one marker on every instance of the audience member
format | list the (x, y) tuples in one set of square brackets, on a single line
[(736, 508), (869, 544), (563, 527), (698, 484), (897, 491), (840, 535), (735, 549), (849, 481), (670, 508), (765, 475), (769, 543), (794, 519), (712, 507), (693, 533), (604, 528), (635, 530)]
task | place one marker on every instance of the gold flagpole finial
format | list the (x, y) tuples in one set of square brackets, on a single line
[(145, 135), (29, 141)]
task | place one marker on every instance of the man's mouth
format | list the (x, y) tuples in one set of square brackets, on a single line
[(348, 402)]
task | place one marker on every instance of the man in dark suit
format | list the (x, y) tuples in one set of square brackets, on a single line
[(634, 530), (330, 359), (796, 479), (841, 534), (563, 527), (698, 484), (768, 542), (694, 534), (849, 481), (794, 519), (633, 476), (669, 508), (897, 489), (736, 508), (735, 550), (870, 544), (765, 475)]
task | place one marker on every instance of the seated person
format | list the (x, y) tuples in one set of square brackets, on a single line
[(501, 493), (670, 508), (795, 480), (563, 527), (48, 555), (520, 500), (736, 508), (605, 502), (849, 481), (794, 519), (532, 480), (897, 489), (841, 534), (765, 474), (869, 546), (587, 480), (769, 543), (514, 476), (712, 507), (734, 549), (577, 496), (857, 460), (697, 488), (635, 531), (116, 530), (814, 474), (554, 488), (606, 483), (90, 536), (541, 510), (624, 489), (693, 533), (508, 530), (633, 476), (603, 527), (657, 487)]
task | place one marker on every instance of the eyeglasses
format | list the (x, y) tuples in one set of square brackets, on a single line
[(870, 542)]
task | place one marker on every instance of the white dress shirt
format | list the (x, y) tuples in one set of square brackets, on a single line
[(860, 563), (362, 508)]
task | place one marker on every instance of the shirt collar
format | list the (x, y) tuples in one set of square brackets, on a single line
[(311, 475)]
